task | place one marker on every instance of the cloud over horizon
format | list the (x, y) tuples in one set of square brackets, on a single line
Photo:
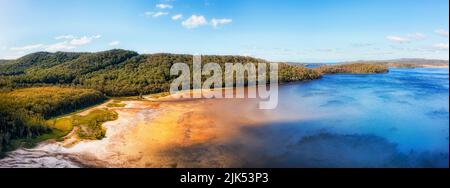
[(441, 32), (84, 40), (407, 38), (114, 43), (156, 14), (441, 46), (225, 27), (27, 47), (164, 6), (70, 42), (216, 22), (194, 21), (177, 17)]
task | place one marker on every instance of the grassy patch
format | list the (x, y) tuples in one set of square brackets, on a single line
[(116, 104), (90, 129), (24, 113), (91, 124), (55, 134), (64, 124), (159, 95)]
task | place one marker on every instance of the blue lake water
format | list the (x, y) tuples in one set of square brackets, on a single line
[(398, 119)]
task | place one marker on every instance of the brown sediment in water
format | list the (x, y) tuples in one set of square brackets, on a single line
[(160, 141)]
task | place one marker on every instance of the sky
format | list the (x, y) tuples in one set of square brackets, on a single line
[(276, 30)]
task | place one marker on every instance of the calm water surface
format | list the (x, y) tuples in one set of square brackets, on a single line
[(398, 119)]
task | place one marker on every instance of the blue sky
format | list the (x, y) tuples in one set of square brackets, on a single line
[(277, 30)]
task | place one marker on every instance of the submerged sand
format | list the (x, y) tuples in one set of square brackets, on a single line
[(158, 133)]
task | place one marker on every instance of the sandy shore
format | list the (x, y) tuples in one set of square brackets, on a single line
[(437, 67), (164, 132)]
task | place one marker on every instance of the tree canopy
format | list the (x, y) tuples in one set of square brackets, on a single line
[(42, 85)]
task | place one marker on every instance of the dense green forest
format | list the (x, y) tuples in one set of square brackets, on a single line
[(23, 112), (126, 73), (356, 68), (117, 72), (42, 85), (407, 63)]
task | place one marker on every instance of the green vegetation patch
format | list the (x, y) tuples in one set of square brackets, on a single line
[(116, 104), (292, 73), (356, 68), (159, 95), (117, 73), (91, 124), (24, 113)]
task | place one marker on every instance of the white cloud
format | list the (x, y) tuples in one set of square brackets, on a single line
[(177, 17), (12, 56), (441, 46), (407, 38), (362, 45), (27, 47), (114, 43), (442, 32), (156, 14), (164, 6), (61, 46), (64, 37), (70, 42), (416, 36), (84, 40), (216, 22), (81, 41), (194, 21), (398, 39)]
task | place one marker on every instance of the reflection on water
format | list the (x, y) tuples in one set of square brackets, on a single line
[(399, 119)]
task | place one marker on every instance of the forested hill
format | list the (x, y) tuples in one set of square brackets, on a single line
[(36, 61), (127, 73), (407, 63), (116, 72), (77, 80)]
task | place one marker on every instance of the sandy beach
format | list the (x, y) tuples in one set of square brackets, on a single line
[(164, 132)]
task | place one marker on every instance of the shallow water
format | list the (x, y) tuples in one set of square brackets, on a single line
[(398, 119)]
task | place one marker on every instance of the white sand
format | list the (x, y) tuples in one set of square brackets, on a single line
[(105, 152)]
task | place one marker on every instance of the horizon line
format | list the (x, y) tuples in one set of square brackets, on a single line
[(173, 53)]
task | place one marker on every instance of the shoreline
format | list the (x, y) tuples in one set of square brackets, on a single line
[(435, 67), (157, 132), (150, 133)]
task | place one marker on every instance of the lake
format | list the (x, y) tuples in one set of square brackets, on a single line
[(398, 119)]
